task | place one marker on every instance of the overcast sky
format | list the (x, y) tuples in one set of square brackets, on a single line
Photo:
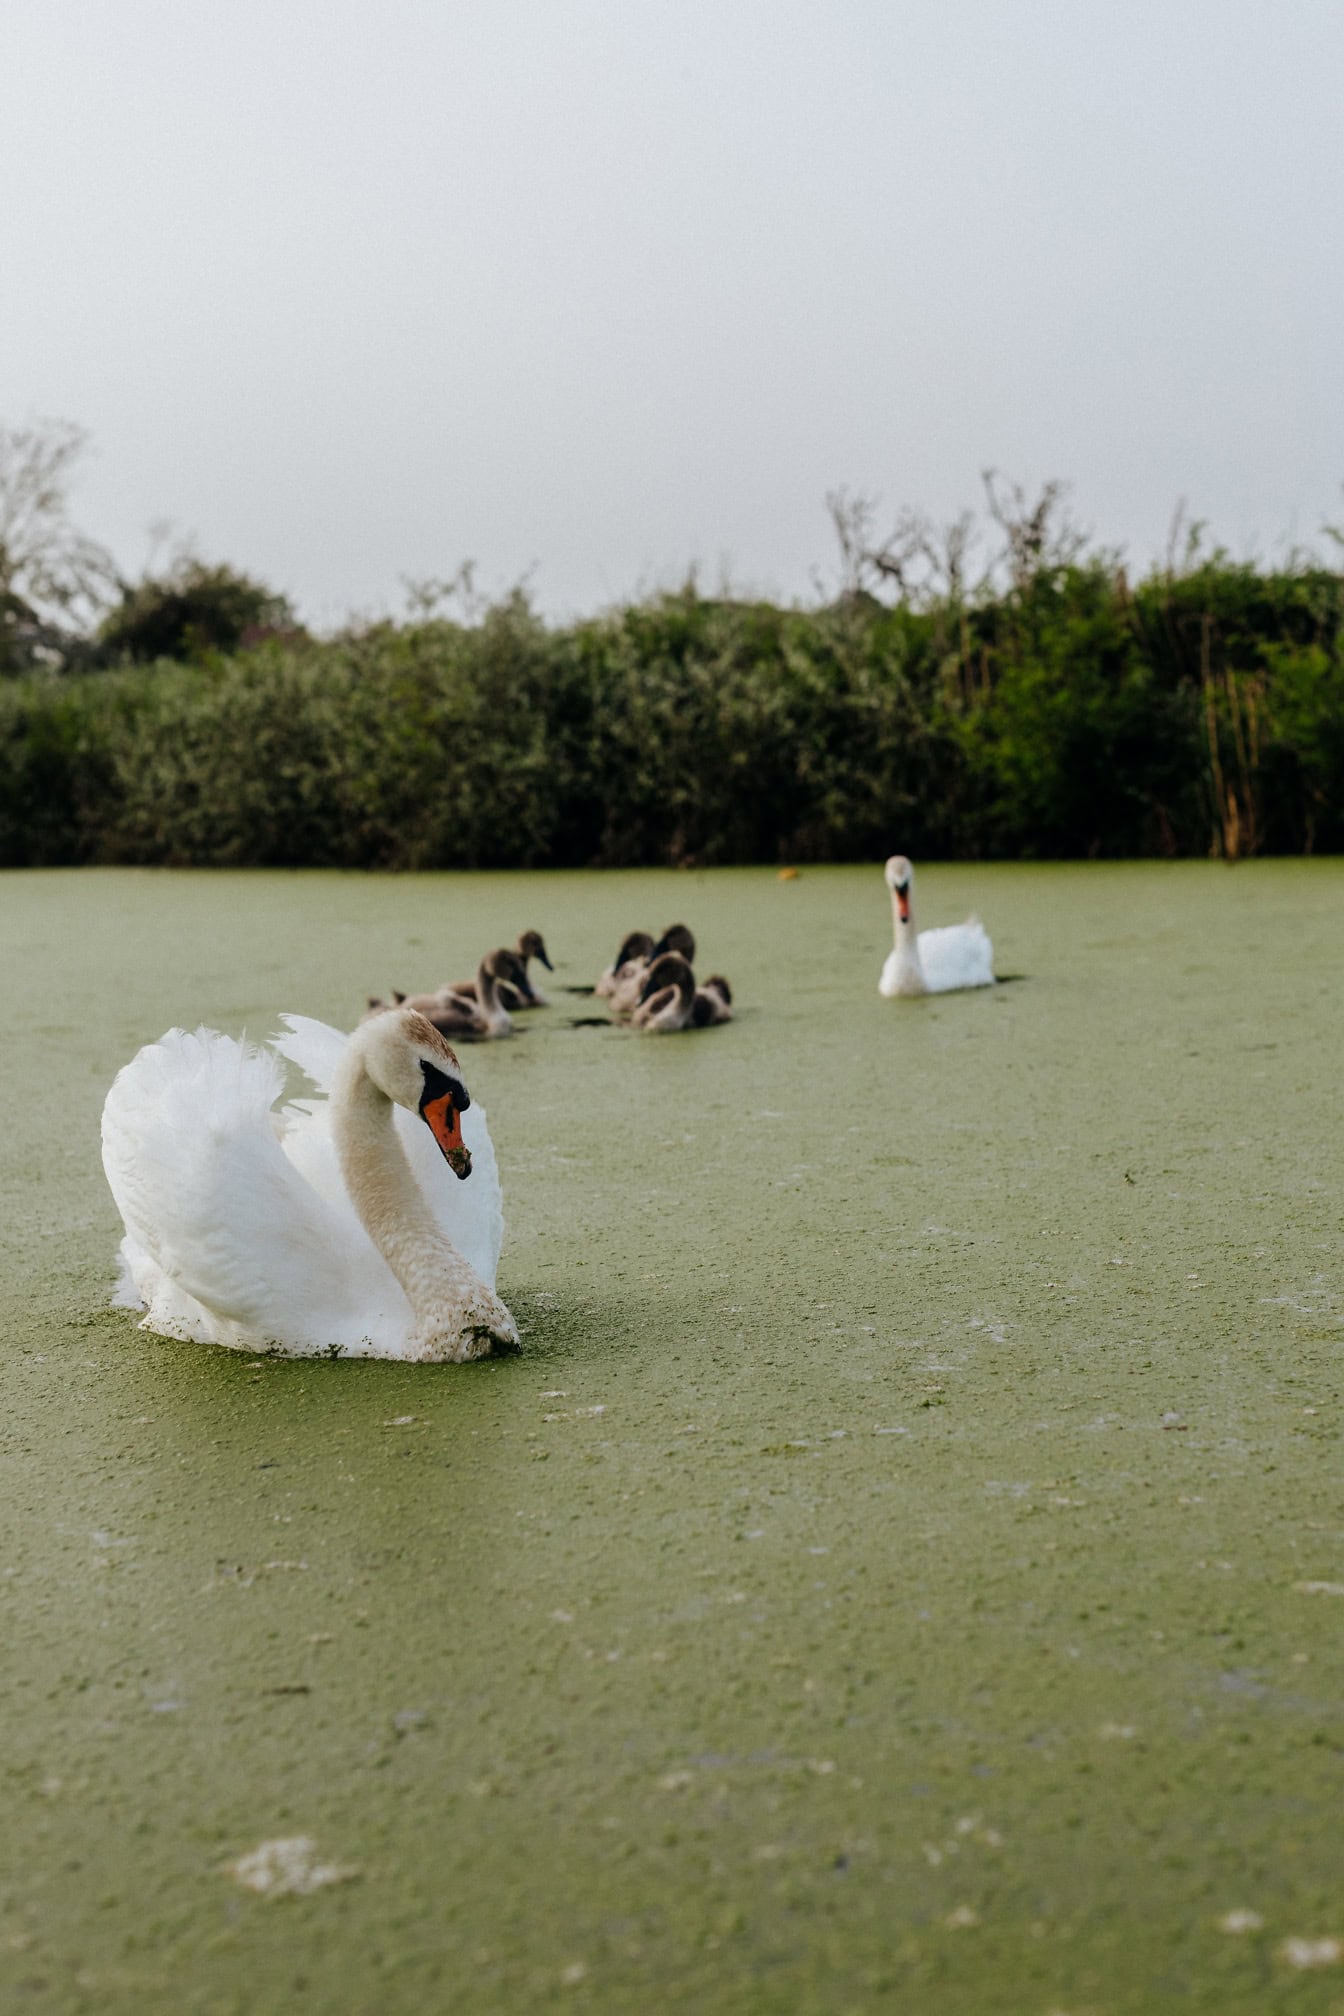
[(600, 288)]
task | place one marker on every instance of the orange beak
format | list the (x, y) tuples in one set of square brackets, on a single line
[(445, 1124), (903, 905)]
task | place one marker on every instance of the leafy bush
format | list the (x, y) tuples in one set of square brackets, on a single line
[(191, 610), (1063, 713)]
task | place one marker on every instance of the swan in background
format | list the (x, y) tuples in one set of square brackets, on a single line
[(635, 951), (628, 987), (518, 994), (477, 1016), (931, 962), (667, 998), (713, 1002), (677, 938), (328, 1228)]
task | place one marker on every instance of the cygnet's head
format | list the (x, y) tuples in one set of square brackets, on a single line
[(634, 945), (900, 875), (670, 970), (676, 938), (533, 946), (410, 1062), (716, 984), (504, 964)]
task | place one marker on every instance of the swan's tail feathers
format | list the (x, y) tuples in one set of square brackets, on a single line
[(131, 1262), (314, 1046)]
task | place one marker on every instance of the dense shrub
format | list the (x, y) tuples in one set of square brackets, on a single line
[(1065, 713), (191, 610)]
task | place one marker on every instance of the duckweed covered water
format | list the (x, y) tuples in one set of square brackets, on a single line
[(904, 1570)]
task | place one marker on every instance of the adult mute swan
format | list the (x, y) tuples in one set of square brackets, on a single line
[(329, 1228), (931, 962)]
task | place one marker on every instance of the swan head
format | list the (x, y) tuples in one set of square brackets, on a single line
[(900, 878), (676, 938), (668, 970), (533, 946), (411, 1064), (634, 945), (504, 964), (716, 984)]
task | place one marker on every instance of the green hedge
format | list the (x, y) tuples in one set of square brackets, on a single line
[(1196, 714)]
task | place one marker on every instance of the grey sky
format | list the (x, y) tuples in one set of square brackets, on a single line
[(351, 291)]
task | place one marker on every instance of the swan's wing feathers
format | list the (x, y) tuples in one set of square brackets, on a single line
[(160, 1103), (956, 955), (205, 1190), (314, 1046)]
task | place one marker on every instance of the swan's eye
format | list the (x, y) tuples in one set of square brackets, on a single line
[(438, 1085)]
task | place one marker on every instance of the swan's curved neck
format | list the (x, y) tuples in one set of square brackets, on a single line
[(676, 1012), (387, 1197), (487, 998), (533, 992), (905, 934)]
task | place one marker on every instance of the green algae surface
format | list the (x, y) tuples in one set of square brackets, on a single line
[(903, 1569)]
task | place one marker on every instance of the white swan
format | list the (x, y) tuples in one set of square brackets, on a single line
[(330, 1227), (931, 962)]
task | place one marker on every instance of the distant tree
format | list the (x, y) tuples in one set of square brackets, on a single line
[(191, 609), (918, 561), (54, 579)]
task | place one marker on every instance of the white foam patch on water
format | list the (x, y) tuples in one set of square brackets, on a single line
[(1312, 1952), (287, 1867)]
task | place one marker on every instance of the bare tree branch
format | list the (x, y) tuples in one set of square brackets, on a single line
[(54, 579)]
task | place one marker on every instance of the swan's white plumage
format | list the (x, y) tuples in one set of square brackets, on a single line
[(471, 1214), (930, 962), (239, 1228), (950, 956)]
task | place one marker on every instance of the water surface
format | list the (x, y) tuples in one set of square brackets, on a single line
[(898, 1571)]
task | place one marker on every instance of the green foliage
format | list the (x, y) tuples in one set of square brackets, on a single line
[(1061, 713), (191, 610)]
